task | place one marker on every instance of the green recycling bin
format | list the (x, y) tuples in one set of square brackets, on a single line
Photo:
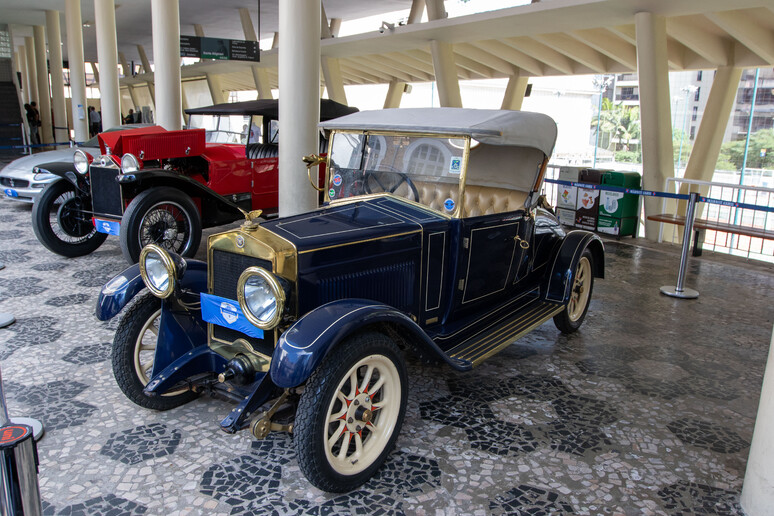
[(618, 211)]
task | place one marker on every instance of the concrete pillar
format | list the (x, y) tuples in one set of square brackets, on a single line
[(758, 488), (216, 91), (107, 53), (133, 96), (333, 80), (394, 94), (95, 71), (706, 148), (166, 56), (198, 30), (44, 99), (417, 9), (335, 27), (325, 28), (146, 67), (124, 65), (445, 74), (299, 82), (655, 110), (435, 10), (275, 40), (32, 70), (514, 93), (73, 22), (260, 75), (54, 35), (22, 51)]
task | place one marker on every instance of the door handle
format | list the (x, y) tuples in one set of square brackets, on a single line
[(522, 243)]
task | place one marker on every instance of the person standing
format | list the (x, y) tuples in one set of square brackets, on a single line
[(94, 121), (33, 120)]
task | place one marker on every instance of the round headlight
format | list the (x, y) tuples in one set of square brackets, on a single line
[(82, 160), (130, 164), (158, 270), (261, 297)]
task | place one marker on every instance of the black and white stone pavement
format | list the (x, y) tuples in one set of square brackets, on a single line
[(648, 409)]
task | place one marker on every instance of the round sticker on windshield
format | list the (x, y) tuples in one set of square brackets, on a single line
[(337, 180), (331, 193), (448, 204)]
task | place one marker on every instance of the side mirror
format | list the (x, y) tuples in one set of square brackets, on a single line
[(311, 161)]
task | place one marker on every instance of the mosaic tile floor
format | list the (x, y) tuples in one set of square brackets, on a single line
[(648, 409)]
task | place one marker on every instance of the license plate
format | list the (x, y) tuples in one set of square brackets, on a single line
[(227, 313), (111, 227), (11, 193)]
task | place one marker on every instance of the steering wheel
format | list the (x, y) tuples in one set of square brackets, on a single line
[(389, 181)]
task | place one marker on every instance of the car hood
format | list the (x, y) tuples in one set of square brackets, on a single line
[(27, 163), (370, 219)]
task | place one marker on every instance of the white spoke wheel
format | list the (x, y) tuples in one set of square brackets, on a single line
[(134, 349), (351, 411), (571, 318)]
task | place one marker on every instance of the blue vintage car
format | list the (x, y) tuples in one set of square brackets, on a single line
[(433, 242)]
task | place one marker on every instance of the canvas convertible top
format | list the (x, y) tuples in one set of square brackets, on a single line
[(490, 126), (269, 108)]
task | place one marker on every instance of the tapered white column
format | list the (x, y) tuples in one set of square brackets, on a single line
[(299, 84), (655, 110), (333, 79), (706, 147), (73, 21), (514, 93), (95, 71), (758, 488), (146, 67), (394, 94), (446, 74), (260, 75), (32, 70), (22, 51), (44, 99), (216, 91), (166, 57), (107, 52), (54, 35)]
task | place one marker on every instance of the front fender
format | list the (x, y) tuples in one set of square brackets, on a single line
[(304, 345), (565, 261), (122, 288), (66, 170)]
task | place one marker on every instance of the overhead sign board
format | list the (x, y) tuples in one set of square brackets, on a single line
[(218, 48)]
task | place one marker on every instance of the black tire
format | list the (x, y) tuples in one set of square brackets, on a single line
[(571, 318), (318, 401), (128, 372), (159, 210), (61, 220)]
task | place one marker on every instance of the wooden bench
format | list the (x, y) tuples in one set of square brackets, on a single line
[(700, 225)]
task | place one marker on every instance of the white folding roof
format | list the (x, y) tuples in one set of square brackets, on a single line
[(491, 126)]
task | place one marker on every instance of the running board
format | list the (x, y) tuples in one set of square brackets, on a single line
[(482, 346)]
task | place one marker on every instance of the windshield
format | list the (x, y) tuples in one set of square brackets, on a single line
[(422, 169), (227, 129)]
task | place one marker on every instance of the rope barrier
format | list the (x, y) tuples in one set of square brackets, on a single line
[(37, 145)]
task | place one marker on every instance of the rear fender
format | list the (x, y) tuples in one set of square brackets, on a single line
[(565, 261), (305, 344), (123, 287), (215, 209)]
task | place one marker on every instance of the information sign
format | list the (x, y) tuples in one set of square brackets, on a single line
[(219, 48)]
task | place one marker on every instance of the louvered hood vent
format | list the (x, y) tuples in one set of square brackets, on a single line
[(391, 284)]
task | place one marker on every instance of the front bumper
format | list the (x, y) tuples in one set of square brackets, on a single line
[(20, 185)]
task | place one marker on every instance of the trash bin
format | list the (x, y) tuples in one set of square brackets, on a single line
[(566, 196), (618, 211), (587, 204)]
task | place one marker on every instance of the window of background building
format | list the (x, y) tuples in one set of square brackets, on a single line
[(698, 94), (695, 114)]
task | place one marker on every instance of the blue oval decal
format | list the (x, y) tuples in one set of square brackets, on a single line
[(448, 204)]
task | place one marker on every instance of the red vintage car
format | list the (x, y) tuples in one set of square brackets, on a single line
[(151, 185)]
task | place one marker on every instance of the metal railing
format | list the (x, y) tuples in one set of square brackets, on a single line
[(729, 212)]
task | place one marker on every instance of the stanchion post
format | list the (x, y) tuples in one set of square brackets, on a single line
[(679, 290), (19, 491)]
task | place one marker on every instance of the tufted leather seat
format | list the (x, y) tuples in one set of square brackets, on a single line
[(262, 150), (479, 200)]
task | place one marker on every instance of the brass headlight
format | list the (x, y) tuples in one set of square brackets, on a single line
[(158, 270), (261, 297)]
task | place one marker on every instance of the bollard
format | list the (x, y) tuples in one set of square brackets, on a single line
[(679, 290), (19, 492), (6, 319)]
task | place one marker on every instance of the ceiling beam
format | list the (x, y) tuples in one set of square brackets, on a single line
[(417, 64), (542, 53), (513, 55), (576, 50), (481, 71), (688, 31), (747, 31), (626, 32), (498, 64), (375, 68), (403, 66), (675, 54), (609, 44)]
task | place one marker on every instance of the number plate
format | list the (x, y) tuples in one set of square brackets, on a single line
[(11, 193), (111, 227)]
